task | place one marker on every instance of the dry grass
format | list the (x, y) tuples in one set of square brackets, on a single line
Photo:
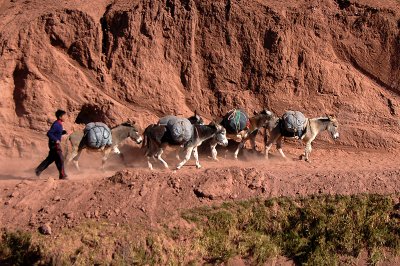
[(311, 231), (321, 230)]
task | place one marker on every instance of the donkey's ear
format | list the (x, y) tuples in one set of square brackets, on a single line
[(195, 112), (255, 112), (267, 112), (214, 124)]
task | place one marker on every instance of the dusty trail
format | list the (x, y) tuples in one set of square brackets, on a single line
[(150, 198)]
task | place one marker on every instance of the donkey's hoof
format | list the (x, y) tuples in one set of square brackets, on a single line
[(213, 158), (198, 166)]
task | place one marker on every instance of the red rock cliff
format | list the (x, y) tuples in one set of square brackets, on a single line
[(110, 60)]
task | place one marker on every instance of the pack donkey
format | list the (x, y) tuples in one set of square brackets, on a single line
[(313, 127), (244, 128), (158, 137), (195, 119), (119, 134)]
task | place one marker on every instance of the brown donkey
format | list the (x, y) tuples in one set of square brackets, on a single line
[(255, 123), (313, 128)]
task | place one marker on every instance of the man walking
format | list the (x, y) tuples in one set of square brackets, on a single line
[(55, 154)]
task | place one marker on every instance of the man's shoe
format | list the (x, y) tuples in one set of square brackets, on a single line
[(64, 177)]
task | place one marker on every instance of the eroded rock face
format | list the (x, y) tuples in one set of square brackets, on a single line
[(142, 59)]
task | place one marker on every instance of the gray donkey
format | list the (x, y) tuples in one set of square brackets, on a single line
[(158, 137), (119, 134)]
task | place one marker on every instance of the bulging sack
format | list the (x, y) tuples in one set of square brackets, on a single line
[(180, 128), (235, 121), (97, 135), (164, 120), (294, 121)]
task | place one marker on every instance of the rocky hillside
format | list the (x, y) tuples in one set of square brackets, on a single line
[(110, 60)]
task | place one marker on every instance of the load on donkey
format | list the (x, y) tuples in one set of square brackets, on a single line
[(179, 132), (99, 137), (293, 124), (241, 128)]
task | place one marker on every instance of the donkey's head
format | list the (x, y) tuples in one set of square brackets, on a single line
[(195, 119), (265, 118), (133, 132), (220, 135), (333, 127)]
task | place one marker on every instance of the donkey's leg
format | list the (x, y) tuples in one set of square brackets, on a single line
[(76, 159), (279, 146), (149, 156), (106, 153), (196, 156), (187, 157), (120, 154), (267, 148), (239, 147), (214, 151), (70, 157), (269, 144), (159, 153), (307, 151), (178, 153), (149, 163), (252, 137), (253, 141)]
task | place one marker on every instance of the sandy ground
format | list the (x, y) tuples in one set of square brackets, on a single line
[(134, 193)]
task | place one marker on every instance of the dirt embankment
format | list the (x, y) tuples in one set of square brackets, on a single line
[(139, 213), (143, 196)]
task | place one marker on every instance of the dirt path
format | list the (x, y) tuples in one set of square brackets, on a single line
[(141, 196)]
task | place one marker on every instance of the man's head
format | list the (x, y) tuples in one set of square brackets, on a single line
[(60, 114)]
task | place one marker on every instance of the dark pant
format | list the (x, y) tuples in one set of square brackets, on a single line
[(55, 155)]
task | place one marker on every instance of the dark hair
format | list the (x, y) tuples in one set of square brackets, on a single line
[(60, 113)]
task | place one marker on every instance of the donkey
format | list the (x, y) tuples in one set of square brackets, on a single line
[(158, 137), (195, 119), (119, 134), (313, 128), (255, 123)]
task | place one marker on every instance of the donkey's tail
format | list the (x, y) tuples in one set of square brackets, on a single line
[(145, 139)]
